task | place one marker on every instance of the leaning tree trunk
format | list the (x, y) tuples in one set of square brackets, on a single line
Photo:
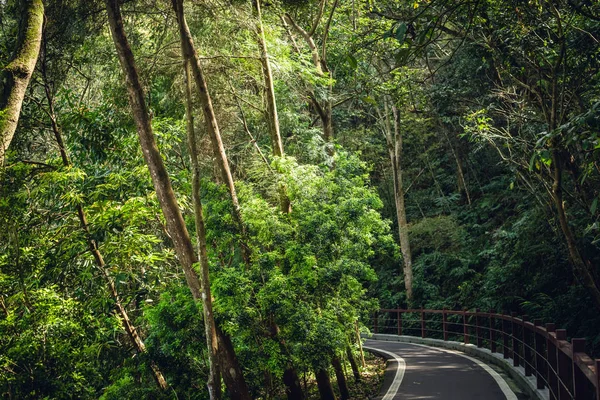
[(214, 378), (341, 378), (160, 179), (16, 75), (353, 364), (189, 53), (272, 115), (324, 384), (131, 330)]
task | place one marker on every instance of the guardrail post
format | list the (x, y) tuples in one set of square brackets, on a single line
[(527, 345), (539, 355), (552, 363), (492, 332), (399, 323), (422, 323), (579, 379), (564, 364), (505, 352), (515, 342), (375, 324), (445, 324), (477, 331), (465, 328)]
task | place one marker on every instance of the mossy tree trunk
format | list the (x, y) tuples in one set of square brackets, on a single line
[(17, 74)]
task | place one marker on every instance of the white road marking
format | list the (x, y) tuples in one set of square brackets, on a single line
[(510, 395), (399, 372)]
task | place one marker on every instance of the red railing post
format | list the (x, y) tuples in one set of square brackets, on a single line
[(579, 378), (422, 323), (492, 332), (505, 350), (399, 323), (477, 324), (375, 324), (465, 328), (539, 355), (565, 375), (445, 324), (515, 341), (527, 345), (552, 362)]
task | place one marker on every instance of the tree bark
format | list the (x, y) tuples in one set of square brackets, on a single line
[(324, 384), (341, 378), (230, 369), (292, 383), (353, 365), (272, 115), (174, 220), (394, 143), (16, 75), (582, 268), (189, 53), (160, 178), (214, 378)]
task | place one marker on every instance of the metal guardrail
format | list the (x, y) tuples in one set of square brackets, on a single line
[(543, 351)]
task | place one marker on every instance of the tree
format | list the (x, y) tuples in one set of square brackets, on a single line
[(16, 75)]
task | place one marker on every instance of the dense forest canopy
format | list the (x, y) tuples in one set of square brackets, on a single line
[(208, 199)]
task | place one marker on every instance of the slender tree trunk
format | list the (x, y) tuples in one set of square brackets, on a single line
[(174, 220), (189, 53), (324, 384), (360, 348), (394, 142), (131, 330), (341, 378), (16, 75), (582, 268), (353, 365), (214, 378), (272, 115)]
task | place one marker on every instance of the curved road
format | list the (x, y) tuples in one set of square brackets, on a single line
[(419, 372)]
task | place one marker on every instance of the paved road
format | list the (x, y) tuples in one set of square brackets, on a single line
[(422, 372)]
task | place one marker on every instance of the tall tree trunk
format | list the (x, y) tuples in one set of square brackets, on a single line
[(230, 369), (214, 378), (353, 363), (292, 383), (324, 384), (394, 143), (360, 347), (16, 75), (189, 53), (272, 115), (174, 220), (341, 378), (583, 268), (131, 330)]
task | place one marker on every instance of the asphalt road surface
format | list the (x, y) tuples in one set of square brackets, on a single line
[(418, 372)]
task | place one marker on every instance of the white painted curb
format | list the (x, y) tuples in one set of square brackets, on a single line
[(389, 395)]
